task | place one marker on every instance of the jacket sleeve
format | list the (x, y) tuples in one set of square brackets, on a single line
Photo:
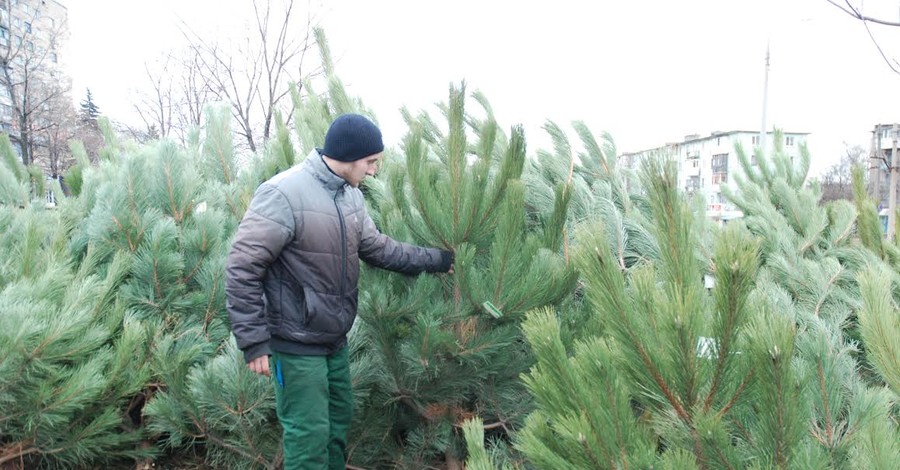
[(382, 251), (265, 229)]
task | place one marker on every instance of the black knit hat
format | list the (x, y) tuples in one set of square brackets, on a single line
[(351, 137)]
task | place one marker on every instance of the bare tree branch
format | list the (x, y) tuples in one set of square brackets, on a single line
[(36, 93), (854, 12), (851, 10), (254, 76)]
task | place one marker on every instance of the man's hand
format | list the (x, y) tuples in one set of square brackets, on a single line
[(260, 365)]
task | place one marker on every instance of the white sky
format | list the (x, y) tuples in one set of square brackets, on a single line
[(647, 71)]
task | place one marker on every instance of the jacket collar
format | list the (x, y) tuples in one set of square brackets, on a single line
[(321, 172)]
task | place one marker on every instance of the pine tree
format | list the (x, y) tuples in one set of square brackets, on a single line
[(14, 188), (69, 362), (119, 342), (438, 350), (20, 184), (89, 110), (759, 372), (817, 262), (180, 226)]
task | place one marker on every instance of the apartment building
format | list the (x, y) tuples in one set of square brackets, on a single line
[(31, 33), (706, 164), (880, 159)]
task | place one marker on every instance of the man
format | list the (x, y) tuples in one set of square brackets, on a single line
[(291, 285)]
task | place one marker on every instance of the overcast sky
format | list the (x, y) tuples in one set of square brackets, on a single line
[(647, 71)]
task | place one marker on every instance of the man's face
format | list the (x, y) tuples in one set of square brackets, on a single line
[(360, 169)]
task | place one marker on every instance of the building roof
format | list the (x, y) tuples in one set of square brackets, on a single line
[(696, 138)]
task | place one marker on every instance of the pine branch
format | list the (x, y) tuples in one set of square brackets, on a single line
[(829, 426), (17, 451), (737, 394)]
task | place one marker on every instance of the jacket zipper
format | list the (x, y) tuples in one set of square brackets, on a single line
[(343, 242)]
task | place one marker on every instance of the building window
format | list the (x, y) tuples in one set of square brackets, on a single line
[(4, 36), (789, 141), (755, 139), (18, 40), (719, 168), (53, 57), (720, 161), (27, 27), (693, 184)]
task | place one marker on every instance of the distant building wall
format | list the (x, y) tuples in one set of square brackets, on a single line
[(31, 35), (707, 164)]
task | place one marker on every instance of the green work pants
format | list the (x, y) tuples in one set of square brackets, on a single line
[(315, 405)]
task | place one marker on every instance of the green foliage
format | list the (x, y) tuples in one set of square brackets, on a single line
[(811, 266), (314, 112), (89, 111), (761, 369), (216, 162), (67, 374), (480, 458), (437, 356), (879, 322), (14, 179), (868, 228), (115, 346), (11, 162), (577, 425), (221, 404), (670, 350), (113, 143)]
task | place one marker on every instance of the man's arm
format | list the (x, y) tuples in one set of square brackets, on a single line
[(382, 251), (265, 229)]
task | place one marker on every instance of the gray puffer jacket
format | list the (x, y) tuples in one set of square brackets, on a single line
[(291, 275)]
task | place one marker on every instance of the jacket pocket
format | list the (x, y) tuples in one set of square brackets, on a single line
[(293, 305), (326, 314)]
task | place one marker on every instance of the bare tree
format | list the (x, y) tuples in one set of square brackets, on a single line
[(254, 75), (176, 95), (60, 128), (856, 12), (837, 180), (155, 107), (32, 88), (196, 92)]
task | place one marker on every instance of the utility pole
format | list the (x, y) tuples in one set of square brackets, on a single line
[(762, 130), (874, 169), (892, 195)]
